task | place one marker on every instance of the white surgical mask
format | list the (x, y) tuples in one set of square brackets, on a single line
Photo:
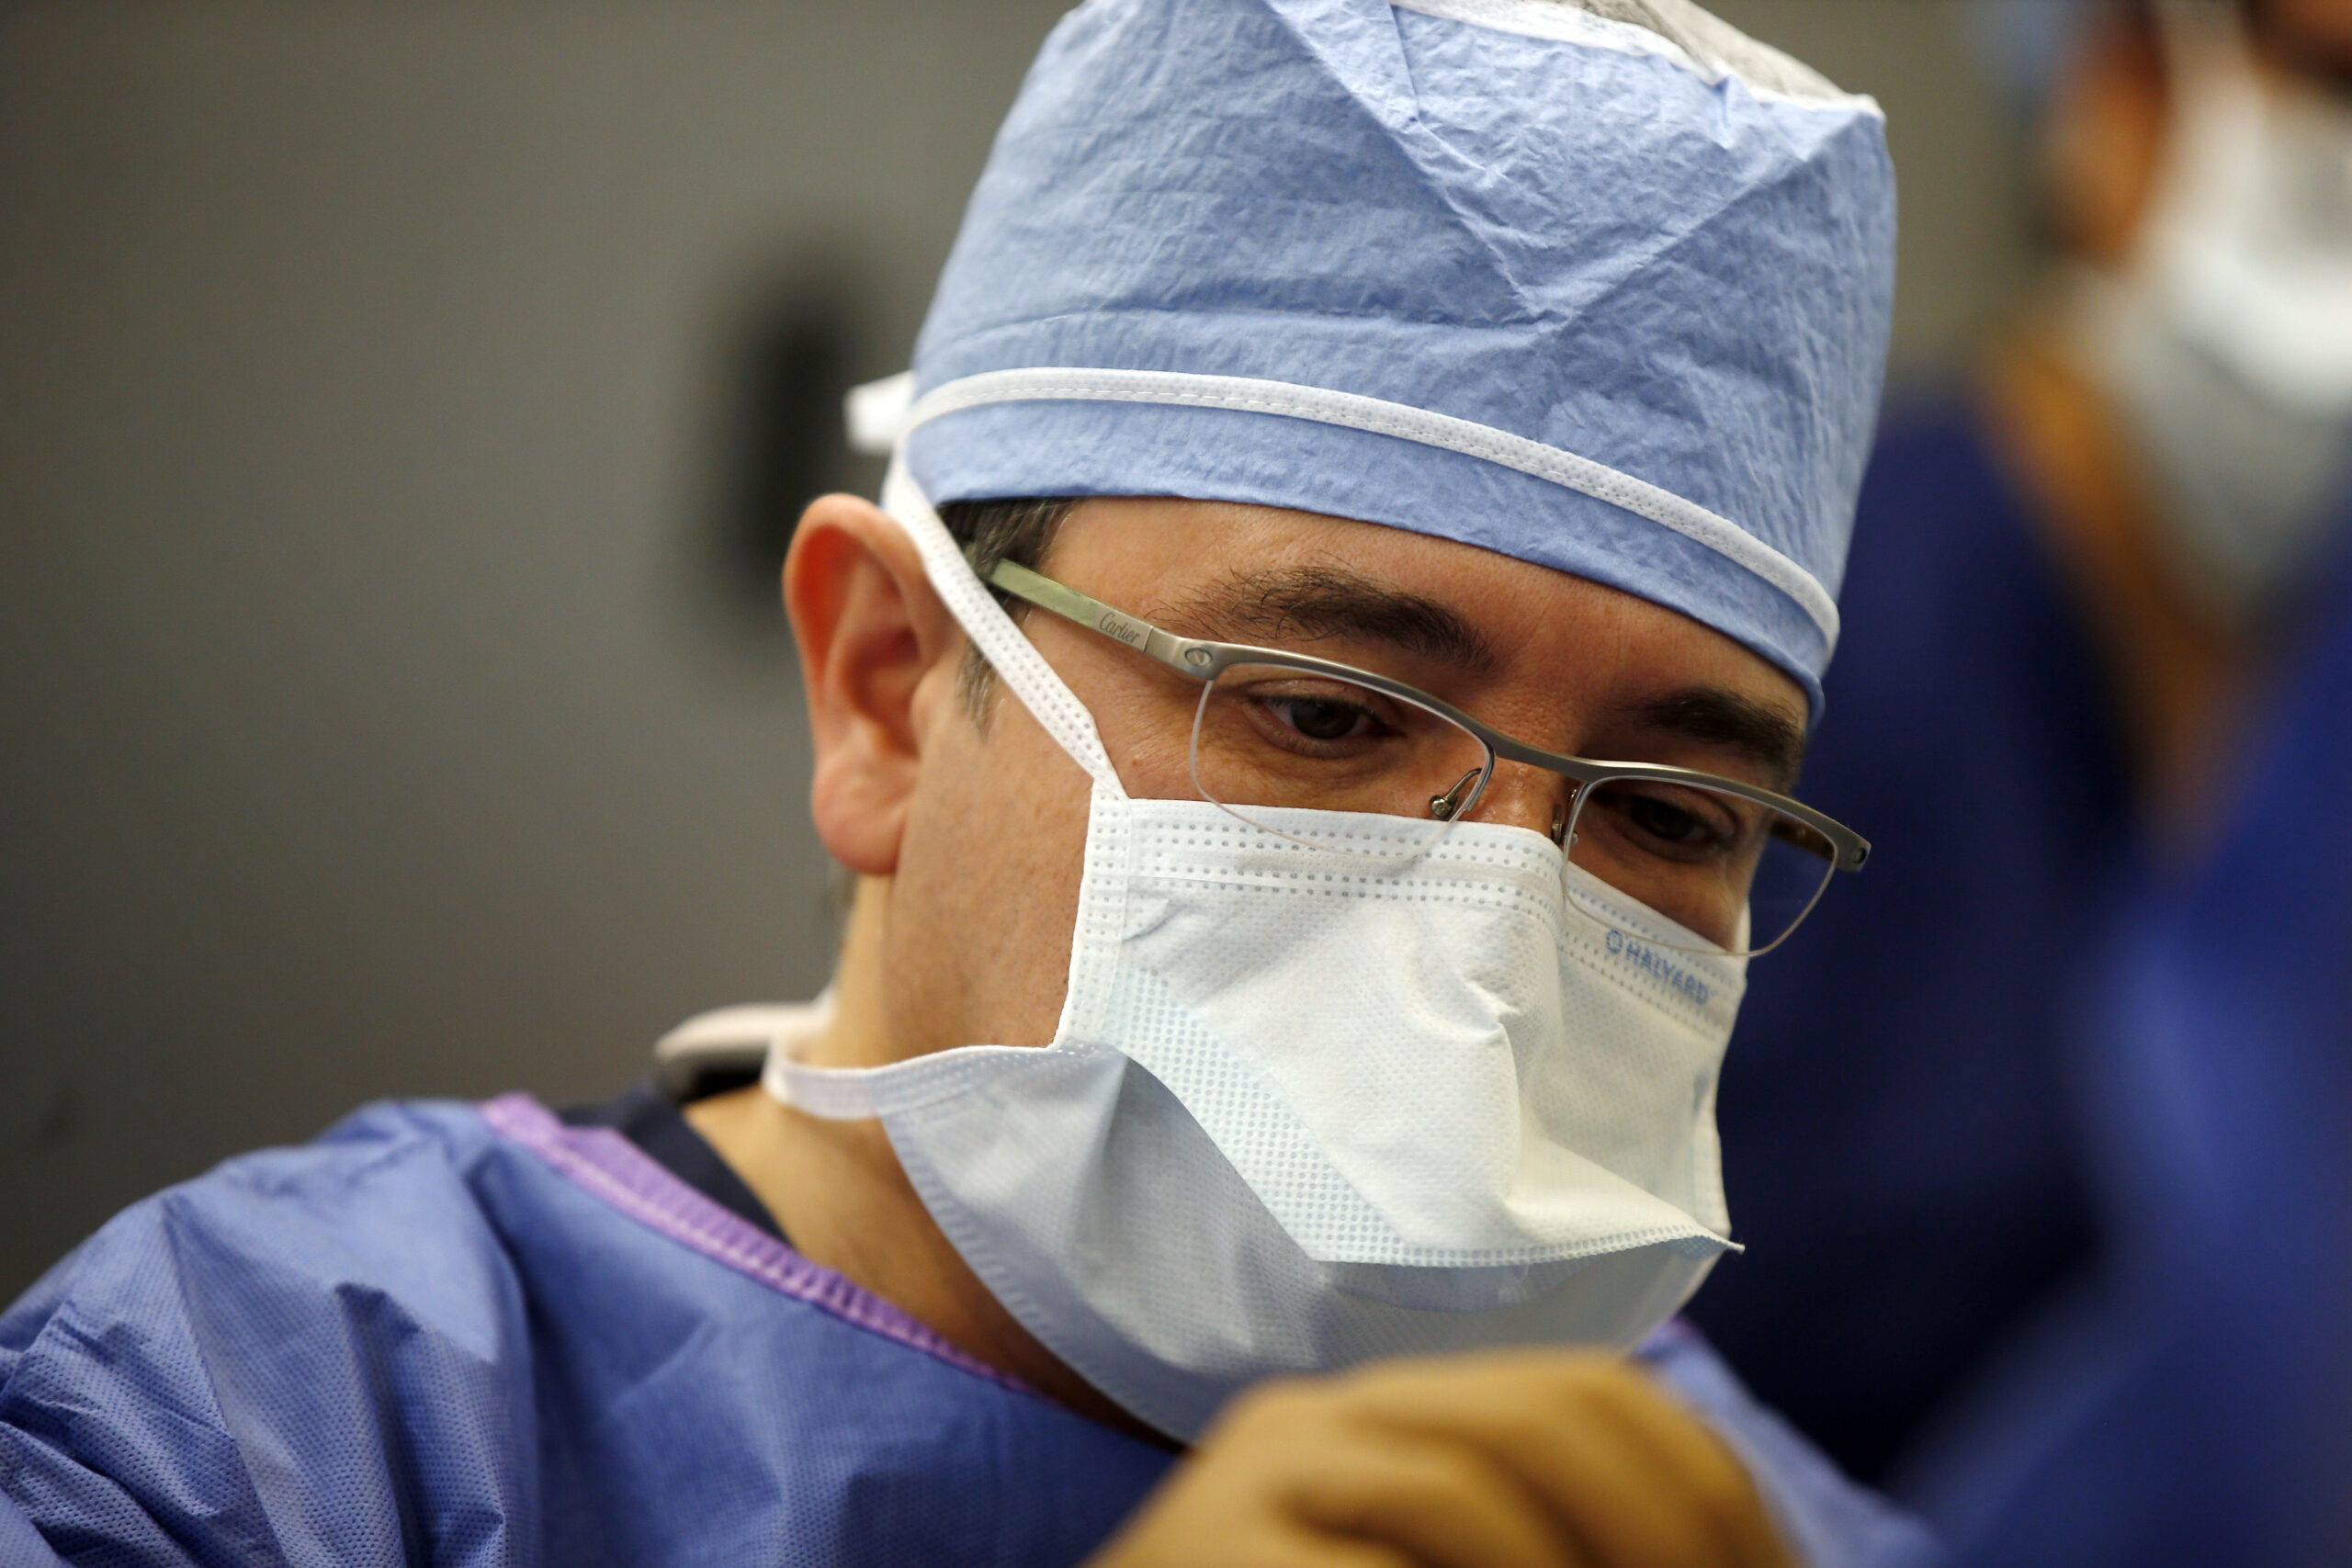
[(2226, 343), (1317, 1096)]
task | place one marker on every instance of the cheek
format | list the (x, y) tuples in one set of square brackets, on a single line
[(1144, 717), (986, 894), (1149, 738)]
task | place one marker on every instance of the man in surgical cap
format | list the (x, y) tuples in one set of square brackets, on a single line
[(1311, 724)]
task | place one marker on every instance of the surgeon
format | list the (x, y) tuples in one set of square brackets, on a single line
[(1311, 723), (2070, 590)]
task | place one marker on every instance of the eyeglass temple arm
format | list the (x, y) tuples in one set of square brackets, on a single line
[(1071, 605)]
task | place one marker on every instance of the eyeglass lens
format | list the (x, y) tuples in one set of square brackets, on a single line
[(1271, 737), (1703, 858), (1267, 735)]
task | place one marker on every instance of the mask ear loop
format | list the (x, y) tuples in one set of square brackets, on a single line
[(1013, 656)]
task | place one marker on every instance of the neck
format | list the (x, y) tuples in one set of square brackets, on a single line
[(837, 1189), (2175, 673)]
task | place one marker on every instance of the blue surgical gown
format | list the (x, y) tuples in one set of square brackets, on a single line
[(453, 1334)]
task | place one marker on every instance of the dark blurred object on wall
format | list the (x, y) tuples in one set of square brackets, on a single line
[(782, 445)]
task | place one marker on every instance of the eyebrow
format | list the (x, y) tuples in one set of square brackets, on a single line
[(1325, 601), (1328, 600), (1716, 718)]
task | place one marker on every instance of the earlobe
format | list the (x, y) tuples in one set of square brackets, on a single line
[(870, 628)]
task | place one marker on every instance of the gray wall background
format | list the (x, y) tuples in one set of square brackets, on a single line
[(376, 717)]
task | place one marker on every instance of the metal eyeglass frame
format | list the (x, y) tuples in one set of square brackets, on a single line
[(1203, 660)]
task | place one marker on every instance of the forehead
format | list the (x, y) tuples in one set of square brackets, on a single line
[(1175, 561)]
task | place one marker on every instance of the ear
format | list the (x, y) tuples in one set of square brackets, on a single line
[(870, 629)]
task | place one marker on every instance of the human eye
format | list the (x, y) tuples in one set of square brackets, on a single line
[(1670, 822), (1318, 718), (1277, 735)]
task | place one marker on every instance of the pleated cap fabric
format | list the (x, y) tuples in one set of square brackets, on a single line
[(1598, 283)]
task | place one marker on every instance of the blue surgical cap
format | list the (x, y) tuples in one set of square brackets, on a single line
[(1606, 295)]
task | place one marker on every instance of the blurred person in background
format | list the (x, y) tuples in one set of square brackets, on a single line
[(2073, 587), (2191, 1400), (1374, 414), (2193, 1403)]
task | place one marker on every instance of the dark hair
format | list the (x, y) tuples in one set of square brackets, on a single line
[(1020, 530)]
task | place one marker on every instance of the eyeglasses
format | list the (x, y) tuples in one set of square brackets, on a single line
[(1733, 865)]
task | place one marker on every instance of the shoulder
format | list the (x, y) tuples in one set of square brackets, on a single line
[(217, 1357), (383, 1199)]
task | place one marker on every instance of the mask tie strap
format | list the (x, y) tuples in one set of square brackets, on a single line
[(830, 1094), (1015, 657)]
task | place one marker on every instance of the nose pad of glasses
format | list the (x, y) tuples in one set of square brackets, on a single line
[(1564, 812), (1444, 807)]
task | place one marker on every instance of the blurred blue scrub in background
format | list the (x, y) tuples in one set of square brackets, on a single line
[(2197, 1406)]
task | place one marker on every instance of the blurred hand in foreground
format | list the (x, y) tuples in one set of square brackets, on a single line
[(1518, 1460)]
